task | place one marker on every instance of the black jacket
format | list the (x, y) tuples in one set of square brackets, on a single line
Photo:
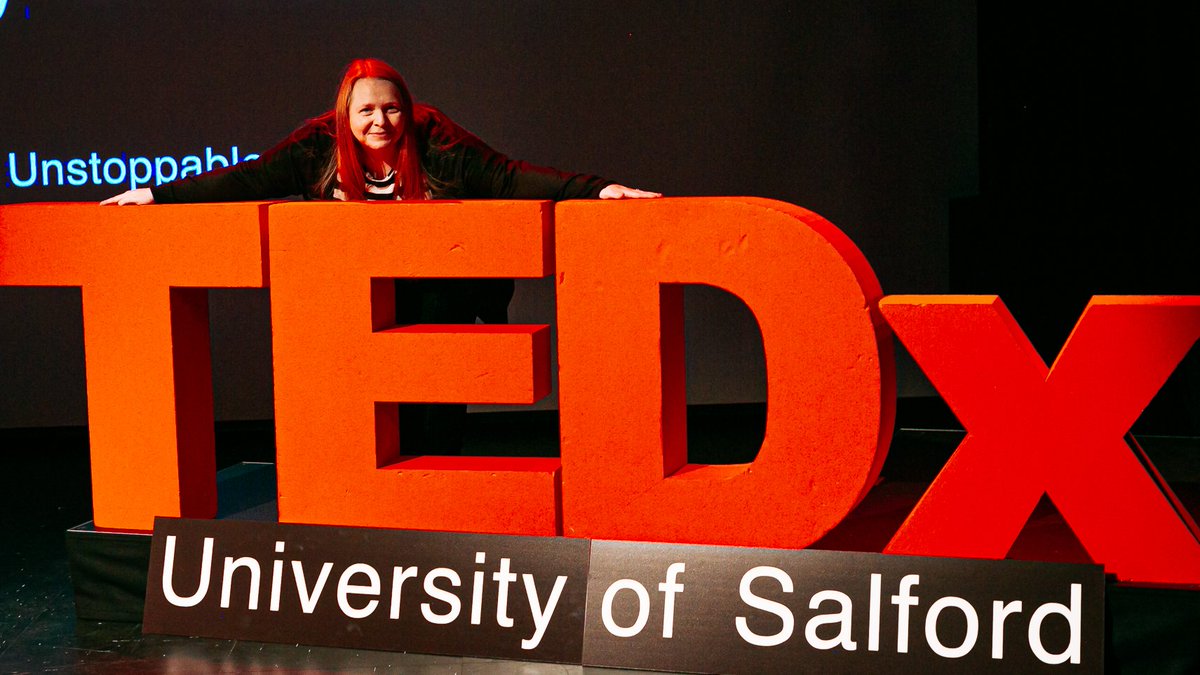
[(459, 165)]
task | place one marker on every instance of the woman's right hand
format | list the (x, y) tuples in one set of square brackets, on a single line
[(131, 198)]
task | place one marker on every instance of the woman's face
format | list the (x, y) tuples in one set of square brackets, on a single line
[(375, 113)]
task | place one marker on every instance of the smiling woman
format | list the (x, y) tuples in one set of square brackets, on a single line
[(377, 144), (375, 137)]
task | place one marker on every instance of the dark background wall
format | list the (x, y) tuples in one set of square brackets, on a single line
[(1088, 146)]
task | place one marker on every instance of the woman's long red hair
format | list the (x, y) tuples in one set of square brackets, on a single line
[(410, 177)]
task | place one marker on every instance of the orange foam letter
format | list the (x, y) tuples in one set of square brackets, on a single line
[(1033, 430), (830, 376), (340, 368), (144, 274)]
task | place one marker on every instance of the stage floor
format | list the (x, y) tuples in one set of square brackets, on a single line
[(44, 489)]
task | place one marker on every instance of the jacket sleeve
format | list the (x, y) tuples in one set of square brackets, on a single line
[(290, 168), (468, 167)]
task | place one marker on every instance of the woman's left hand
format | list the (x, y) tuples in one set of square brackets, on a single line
[(615, 191), (131, 197)]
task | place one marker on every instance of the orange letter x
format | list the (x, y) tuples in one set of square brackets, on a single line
[(1058, 431)]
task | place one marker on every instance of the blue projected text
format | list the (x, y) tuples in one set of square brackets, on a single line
[(30, 171)]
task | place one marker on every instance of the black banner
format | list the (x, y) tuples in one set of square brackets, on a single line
[(735, 610), (648, 606)]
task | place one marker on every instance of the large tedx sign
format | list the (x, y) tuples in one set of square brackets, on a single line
[(341, 365)]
